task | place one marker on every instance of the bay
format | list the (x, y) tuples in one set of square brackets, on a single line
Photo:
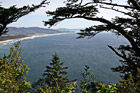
[(76, 53)]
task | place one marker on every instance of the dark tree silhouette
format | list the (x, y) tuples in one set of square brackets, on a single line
[(12, 14), (128, 26)]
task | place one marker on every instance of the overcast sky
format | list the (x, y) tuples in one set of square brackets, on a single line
[(35, 19)]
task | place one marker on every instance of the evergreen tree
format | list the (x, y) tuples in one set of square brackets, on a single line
[(55, 78), (12, 14), (54, 73), (128, 27), (13, 72)]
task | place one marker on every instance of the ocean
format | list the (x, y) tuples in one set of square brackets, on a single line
[(75, 53)]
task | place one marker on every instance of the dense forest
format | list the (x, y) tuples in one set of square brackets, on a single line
[(13, 72)]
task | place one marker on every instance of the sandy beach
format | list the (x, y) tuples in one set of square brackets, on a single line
[(30, 37)]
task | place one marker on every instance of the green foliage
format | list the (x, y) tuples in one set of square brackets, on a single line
[(129, 85), (106, 88), (1, 90), (88, 80), (55, 79), (89, 85), (13, 78), (13, 72)]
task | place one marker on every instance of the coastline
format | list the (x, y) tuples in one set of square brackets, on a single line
[(29, 37)]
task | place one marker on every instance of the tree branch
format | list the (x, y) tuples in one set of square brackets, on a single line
[(135, 4), (117, 28), (117, 11), (55, 82), (94, 19), (116, 52), (110, 4)]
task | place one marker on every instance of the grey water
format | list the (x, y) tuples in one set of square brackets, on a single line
[(75, 53)]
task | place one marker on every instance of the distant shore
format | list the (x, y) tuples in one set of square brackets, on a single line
[(29, 37)]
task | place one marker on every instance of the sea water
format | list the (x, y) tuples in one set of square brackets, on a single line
[(75, 53)]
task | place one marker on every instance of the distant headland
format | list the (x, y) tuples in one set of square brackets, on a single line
[(30, 33)]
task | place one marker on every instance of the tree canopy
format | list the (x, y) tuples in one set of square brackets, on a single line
[(12, 14), (55, 78), (13, 72), (127, 26)]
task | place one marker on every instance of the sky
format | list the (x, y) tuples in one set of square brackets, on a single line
[(35, 19)]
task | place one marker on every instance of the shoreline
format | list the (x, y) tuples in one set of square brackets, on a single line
[(29, 37)]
